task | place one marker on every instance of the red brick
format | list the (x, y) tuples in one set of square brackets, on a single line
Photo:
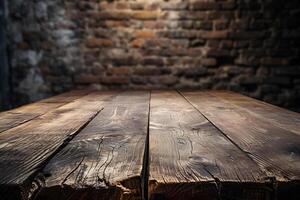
[(152, 6), (137, 43), (98, 68), (98, 42), (114, 80), (147, 71), (103, 5), (154, 24), (122, 5), (86, 79), (118, 71), (204, 6), (209, 62), (165, 79), (213, 34), (158, 61), (116, 23), (174, 6), (179, 34), (137, 6), (110, 15), (145, 15), (144, 34)]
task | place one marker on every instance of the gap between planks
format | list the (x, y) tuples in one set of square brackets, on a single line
[(35, 180), (217, 181), (174, 118), (283, 176), (145, 169), (284, 119), (26, 113), (63, 145), (235, 144), (120, 114)]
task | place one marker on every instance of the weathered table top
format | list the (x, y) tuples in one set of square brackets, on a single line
[(149, 144)]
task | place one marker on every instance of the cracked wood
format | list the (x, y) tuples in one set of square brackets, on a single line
[(190, 158), (105, 159), (208, 145), (276, 149), (25, 148)]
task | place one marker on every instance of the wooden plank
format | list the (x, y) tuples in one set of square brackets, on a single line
[(15, 117), (276, 150), (67, 96), (25, 148), (191, 159), (280, 117), (105, 160)]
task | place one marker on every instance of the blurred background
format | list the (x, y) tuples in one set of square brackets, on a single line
[(51, 46)]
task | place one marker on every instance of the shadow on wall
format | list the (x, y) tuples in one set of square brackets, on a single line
[(242, 45)]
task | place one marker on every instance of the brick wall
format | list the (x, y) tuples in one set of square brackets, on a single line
[(250, 46)]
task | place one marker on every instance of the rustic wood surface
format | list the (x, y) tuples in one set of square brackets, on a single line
[(276, 150), (273, 148), (106, 155), (150, 145), (277, 116), (186, 148), (15, 117), (25, 148), (66, 97)]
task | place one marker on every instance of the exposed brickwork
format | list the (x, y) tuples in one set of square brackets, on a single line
[(250, 46)]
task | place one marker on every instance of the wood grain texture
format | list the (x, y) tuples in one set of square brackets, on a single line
[(279, 117), (15, 117), (191, 159), (67, 96), (195, 145), (25, 148), (105, 160), (275, 149)]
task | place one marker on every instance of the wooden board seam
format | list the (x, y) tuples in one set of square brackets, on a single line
[(271, 179), (253, 113), (120, 187), (39, 115), (38, 176), (276, 184), (145, 169), (263, 102)]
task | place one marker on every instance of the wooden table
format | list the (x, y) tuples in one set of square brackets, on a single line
[(160, 145)]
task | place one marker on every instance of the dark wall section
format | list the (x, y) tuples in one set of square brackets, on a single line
[(4, 69), (250, 46)]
